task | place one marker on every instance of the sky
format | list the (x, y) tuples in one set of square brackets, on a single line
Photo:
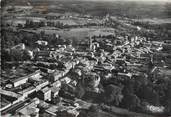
[(136, 0)]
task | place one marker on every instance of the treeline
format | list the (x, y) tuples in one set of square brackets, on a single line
[(156, 31)]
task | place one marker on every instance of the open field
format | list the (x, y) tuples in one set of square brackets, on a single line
[(78, 33)]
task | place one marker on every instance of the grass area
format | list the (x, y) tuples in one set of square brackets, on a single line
[(79, 33)]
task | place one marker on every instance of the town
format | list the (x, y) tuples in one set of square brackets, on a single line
[(73, 64)]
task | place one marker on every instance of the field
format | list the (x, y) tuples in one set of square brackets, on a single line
[(78, 33)]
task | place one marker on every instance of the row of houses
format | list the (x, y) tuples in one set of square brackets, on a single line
[(19, 81)]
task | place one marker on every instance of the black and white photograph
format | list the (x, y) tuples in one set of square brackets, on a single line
[(85, 58)]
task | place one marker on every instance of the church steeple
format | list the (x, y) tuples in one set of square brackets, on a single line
[(90, 43)]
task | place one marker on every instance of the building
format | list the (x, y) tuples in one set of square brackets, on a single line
[(4, 103), (54, 91), (56, 86), (68, 113), (43, 43), (28, 91), (29, 110), (19, 81), (36, 75), (20, 46), (56, 75), (53, 16), (65, 80), (165, 72), (50, 112), (41, 85), (43, 54), (22, 80), (45, 94), (91, 81)]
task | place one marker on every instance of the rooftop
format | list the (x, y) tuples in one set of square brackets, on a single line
[(46, 89)]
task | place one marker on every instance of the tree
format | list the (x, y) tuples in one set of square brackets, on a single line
[(168, 98), (68, 42), (26, 55), (113, 94), (148, 94), (16, 55), (41, 24), (5, 55), (80, 90), (57, 100), (130, 101), (128, 87)]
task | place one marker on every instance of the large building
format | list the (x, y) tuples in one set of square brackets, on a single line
[(19, 81), (45, 94), (29, 110), (22, 80)]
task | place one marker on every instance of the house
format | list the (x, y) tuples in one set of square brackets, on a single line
[(65, 80), (54, 91), (43, 53), (69, 48), (165, 72), (43, 43), (155, 109), (45, 94), (68, 113), (56, 75), (50, 112), (56, 86), (91, 81), (54, 16), (68, 65), (20, 46), (36, 75)]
